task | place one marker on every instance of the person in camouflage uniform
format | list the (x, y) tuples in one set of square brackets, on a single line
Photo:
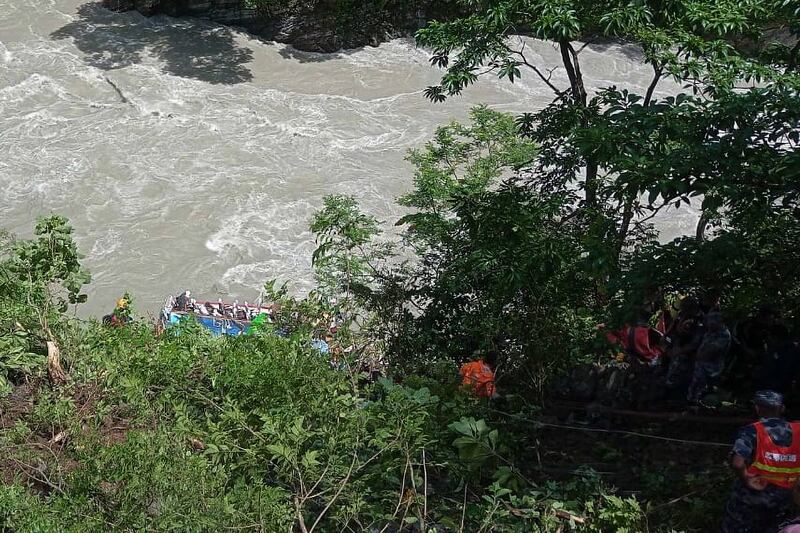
[(793, 525), (710, 358), (755, 505)]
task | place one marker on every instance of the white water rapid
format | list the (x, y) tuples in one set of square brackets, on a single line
[(191, 155)]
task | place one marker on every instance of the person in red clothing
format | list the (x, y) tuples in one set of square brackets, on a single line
[(478, 376), (640, 341)]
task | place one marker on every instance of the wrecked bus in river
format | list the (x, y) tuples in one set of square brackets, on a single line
[(219, 318)]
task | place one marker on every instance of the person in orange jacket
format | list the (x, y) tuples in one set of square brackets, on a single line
[(478, 375), (766, 459)]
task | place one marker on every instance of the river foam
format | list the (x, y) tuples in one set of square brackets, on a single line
[(191, 155)]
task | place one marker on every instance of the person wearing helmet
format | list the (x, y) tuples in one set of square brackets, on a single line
[(766, 459), (121, 314)]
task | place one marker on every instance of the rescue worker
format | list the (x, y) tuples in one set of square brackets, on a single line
[(711, 356), (121, 314), (766, 459), (478, 375), (711, 301), (686, 336), (642, 341)]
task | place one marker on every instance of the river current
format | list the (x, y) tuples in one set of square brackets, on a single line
[(192, 155)]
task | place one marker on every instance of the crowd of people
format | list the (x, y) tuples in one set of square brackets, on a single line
[(692, 348)]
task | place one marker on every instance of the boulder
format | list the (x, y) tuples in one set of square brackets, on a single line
[(120, 5), (314, 26), (147, 7)]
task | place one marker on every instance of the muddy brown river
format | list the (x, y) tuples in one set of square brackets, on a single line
[(191, 155)]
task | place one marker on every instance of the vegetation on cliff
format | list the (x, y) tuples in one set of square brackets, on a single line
[(183, 431), (315, 25)]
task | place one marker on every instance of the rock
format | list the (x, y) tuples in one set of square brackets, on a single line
[(312, 25), (146, 7), (120, 5)]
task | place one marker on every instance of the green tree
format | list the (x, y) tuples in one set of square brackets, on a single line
[(486, 260), (342, 232), (714, 48), (39, 278)]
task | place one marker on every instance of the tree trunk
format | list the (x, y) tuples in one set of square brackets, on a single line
[(648, 97), (627, 213), (591, 182), (54, 370), (578, 91), (570, 59), (625, 226), (700, 232)]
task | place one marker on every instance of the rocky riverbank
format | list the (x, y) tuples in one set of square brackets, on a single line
[(311, 25)]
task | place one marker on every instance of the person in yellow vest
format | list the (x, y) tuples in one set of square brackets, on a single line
[(766, 459), (121, 315), (478, 375)]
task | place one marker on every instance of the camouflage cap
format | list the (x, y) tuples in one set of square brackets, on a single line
[(768, 398)]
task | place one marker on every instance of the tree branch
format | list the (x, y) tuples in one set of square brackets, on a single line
[(335, 496), (300, 520), (702, 223), (570, 59), (545, 79), (400, 499), (627, 216), (657, 71), (463, 508), (424, 489)]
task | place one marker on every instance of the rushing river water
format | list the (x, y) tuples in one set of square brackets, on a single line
[(188, 154)]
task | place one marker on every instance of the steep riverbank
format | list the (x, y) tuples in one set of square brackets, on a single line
[(316, 26)]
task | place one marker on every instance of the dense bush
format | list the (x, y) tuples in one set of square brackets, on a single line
[(183, 431), (727, 144)]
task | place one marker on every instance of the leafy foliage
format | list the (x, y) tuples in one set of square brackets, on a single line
[(183, 431), (728, 145), (38, 278), (494, 262), (522, 234), (342, 232)]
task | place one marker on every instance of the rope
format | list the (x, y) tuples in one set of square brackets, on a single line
[(538, 423)]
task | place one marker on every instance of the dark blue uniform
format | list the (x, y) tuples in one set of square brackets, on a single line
[(753, 511)]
